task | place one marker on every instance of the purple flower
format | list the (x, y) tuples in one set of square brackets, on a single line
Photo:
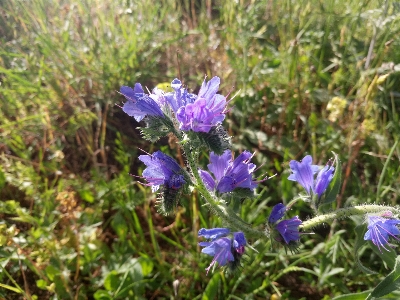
[(221, 249), (162, 170), (277, 213), (379, 230), (139, 104), (229, 174), (286, 230), (198, 113), (304, 171), (225, 250), (324, 178), (289, 229), (196, 117)]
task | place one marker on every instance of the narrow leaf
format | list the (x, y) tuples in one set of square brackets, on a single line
[(212, 287), (11, 288), (389, 284), (355, 296), (359, 242)]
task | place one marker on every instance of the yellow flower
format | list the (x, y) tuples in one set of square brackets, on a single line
[(336, 108)]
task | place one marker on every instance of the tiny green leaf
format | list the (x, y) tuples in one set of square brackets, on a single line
[(102, 295), (41, 284), (87, 196)]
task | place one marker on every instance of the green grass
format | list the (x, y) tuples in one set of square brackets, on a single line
[(74, 223)]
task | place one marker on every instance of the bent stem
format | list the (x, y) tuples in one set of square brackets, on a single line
[(347, 212), (218, 207)]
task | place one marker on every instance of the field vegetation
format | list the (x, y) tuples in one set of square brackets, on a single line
[(311, 77)]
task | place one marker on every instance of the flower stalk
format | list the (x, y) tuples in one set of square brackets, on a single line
[(218, 206), (196, 122), (347, 212)]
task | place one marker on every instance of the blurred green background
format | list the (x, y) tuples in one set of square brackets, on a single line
[(312, 77)]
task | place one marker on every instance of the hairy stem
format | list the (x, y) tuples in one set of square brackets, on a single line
[(347, 212), (218, 207)]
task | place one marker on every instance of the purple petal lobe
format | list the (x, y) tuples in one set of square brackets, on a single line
[(289, 229), (209, 89), (207, 179), (219, 164), (277, 213), (324, 177), (231, 174), (197, 113), (303, 173), (213, 233), (239, 241), (139, 104), (162, 170), (221, 250)]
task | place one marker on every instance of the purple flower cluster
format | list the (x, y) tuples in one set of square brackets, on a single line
[(229, 173), (288, 230), (162, 170), (304, 171), (225, 250), (198, 113), (380, 229)]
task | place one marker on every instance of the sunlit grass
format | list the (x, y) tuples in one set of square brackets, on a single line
[(77, 225)]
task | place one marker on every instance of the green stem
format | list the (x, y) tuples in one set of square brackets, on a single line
[(378, 189), (218, 207), (347, 212)]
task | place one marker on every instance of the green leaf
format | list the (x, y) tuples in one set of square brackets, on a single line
[(156, 128), (359, 242), (118, 223), (9, 207), (41, 284), (212, 288), (388, 256), (87, 196), (26, 219), (217, 139), (112, 281), (355, 296), (2, 179), (136, 272), (146, 264), (313, 120), (102, 295), (389, 284), (51, 272), (334, 187), (11, 288), (3, 263)]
